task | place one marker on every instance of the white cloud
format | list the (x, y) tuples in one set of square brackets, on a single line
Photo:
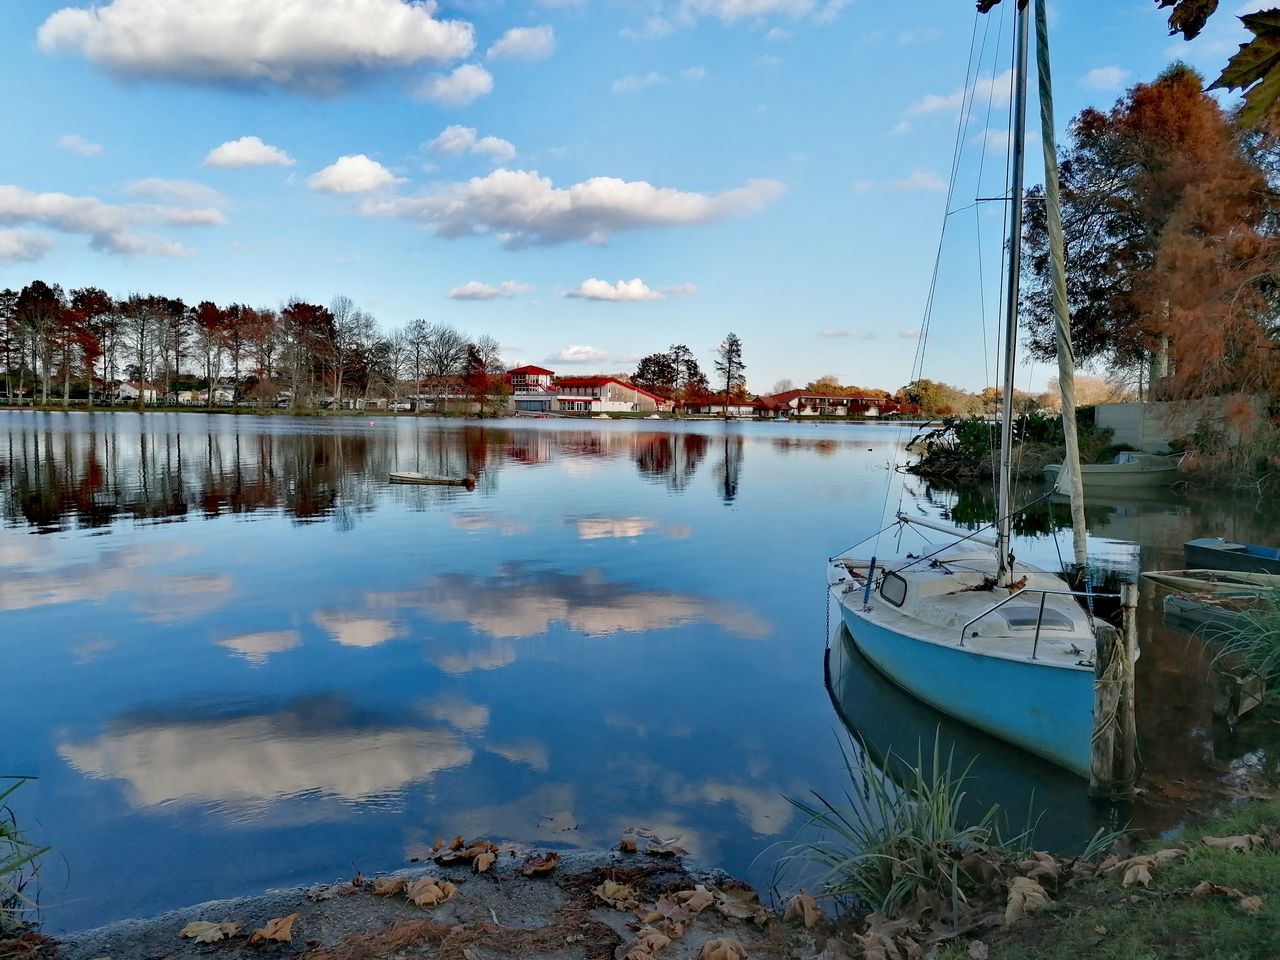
[(523, 208), (561, 4), (454, 140), (108, 226), (732, 10), (475, 290), (899, 128), (995, 89), (465, 84), (654, 28), (768, 62), (624, 291), (257, 648), (353, 174), (575, 353), (81, 145), (920, 180), (694, 74), (1105, 78), (247, 152), (778, 35), (313, 46), (174, 191), (847, 334), (637, 83), (23, 246), (524, 43), (909, 334)]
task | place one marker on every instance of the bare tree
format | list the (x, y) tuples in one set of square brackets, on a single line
[(445, 353)]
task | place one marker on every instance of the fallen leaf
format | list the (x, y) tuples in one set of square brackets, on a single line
[(1100, 930), (430, 891), (1169, 855), (741, 904), (280, 930), (673, 929), (627, 845), (978, 950), (483, 861), (1138, 873), (202, 931), (620, 896), (697, 899), (1025, 897), (457, 844), (667, 848), (1242, 844), (435, 847), (804, 908), (1042, 866), (725, 948), (537, 866), (1251, 905), (651, 939), (387, 886)]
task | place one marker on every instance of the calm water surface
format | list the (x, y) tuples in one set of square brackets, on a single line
[(238, 658)]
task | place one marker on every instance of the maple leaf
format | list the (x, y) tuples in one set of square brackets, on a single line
[(537, 866), (1242, 844), (430, 891), (279, 930), (725, 948), (202, 931), (620, 896), (1189, 16), (483, 861), (804, 908), (387, 886), (627, 845), (1251, 905), (1255, 68), (1025, 897)]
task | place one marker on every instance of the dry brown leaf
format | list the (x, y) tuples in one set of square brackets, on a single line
[(458, 843), (435, 847), (537, 866), (726, 948), (620, 896), (667, 848), (1243, 844), (697, 899), (430, 891), (1139, 872), (1025, 897), (740, 903), (673, 929), (387, 886), (483, 861), (1169, 855), (1206, 888), (804, 908), (627, 845), (1251, 905), (651, 939), (875, 946), (279, 930), (202, 931), (978, 950), (1042, 866)]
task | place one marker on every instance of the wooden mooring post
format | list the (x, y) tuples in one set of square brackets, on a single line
[(1113, 768)]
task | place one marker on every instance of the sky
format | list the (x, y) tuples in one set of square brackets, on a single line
[(588, 181)]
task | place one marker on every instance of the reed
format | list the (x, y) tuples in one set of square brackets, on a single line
[(18, 862), (893, 846), (1254, 639)]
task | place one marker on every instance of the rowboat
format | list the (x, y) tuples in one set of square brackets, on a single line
[(1210, 615), (1127, 470), (1214, 553), (409, 476), (1216, 582)]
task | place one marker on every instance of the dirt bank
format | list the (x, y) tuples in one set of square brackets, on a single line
[(500, 912)]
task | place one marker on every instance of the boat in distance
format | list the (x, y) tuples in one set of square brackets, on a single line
[(1214, 553), (1215, 582), (410, 476), (1128, 470)]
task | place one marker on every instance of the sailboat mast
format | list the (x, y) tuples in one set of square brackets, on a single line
[(1004, 528)]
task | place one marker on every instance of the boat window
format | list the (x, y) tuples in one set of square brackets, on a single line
[(1024, 615), (894, 589)]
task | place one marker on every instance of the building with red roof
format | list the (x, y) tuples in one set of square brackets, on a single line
[(601, 394)]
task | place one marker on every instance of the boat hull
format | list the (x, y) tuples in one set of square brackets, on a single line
[(407, 477), (1047, 711), (1113, 476), (1211, 554)]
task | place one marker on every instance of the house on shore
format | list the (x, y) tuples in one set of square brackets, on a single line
[(532, 389), (717, 406), (605, 395), (806, 403), (129, 391)]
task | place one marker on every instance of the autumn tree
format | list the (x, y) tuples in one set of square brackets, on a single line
[(210, 326), (1163, 216), (40, 312), (657, 374)]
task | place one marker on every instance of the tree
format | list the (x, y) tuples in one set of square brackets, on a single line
[(210, 325), (1164, 216), (657, 373), (40, 312), (445, 352), (782, 386), (730, 366)]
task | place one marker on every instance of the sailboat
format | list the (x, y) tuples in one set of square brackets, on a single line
[(1000, 644)]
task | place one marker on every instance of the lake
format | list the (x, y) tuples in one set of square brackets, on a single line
[(237, 658)]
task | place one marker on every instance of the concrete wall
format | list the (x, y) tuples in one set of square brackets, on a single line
[(1151, 426)]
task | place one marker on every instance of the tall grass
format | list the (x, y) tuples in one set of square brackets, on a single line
[(892, 845), (18, 862), (1255, 639)]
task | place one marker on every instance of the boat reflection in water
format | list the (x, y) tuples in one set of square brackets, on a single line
[(894, 728)]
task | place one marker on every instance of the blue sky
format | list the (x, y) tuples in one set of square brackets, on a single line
[(592, 181)]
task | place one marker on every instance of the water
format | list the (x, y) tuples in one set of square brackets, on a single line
[(237, 658)]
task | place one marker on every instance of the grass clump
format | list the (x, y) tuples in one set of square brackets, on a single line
[(18, 863), (1254, 639), (908, 848)]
